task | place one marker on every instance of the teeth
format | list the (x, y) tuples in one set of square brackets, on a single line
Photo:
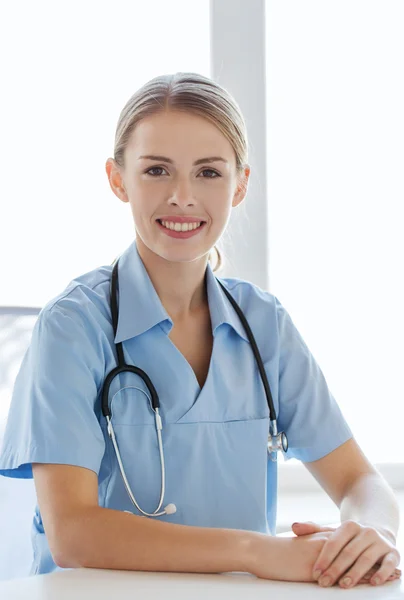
[(181, 226)]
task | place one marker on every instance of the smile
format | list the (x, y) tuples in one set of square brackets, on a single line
[(181, 230)]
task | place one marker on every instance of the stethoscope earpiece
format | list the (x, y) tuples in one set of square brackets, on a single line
[(170, 509)]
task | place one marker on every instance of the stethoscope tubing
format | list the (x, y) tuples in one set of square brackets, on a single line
[(281, 439), (154, 396)]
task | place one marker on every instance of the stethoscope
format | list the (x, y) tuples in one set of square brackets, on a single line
[(276, 441)]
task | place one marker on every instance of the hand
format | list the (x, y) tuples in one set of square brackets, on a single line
[(355, 551), (284, 558)]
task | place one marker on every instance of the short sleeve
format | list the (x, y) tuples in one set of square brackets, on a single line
[(308, 412), (52, 417)]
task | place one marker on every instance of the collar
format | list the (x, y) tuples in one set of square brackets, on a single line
[(138, 297)]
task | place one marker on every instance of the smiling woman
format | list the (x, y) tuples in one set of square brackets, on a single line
[(206, 182), (151, 380), (171, 111)]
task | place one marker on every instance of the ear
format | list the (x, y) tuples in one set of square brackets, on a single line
[(242, 186), (115, 180)]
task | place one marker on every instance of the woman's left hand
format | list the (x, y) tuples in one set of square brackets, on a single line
[(351, 552)]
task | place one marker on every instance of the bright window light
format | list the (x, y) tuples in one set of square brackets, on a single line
[(70, 68)]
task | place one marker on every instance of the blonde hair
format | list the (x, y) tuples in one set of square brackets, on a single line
[(192, 93)]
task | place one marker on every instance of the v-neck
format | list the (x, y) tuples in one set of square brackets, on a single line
[(194, 340), (189, 367)]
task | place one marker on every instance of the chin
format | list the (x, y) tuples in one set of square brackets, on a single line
[(181, 256), (175, 255)]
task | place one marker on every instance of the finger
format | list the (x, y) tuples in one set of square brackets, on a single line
[(352, 563), (377, 566), (396, 573), (372, 571), (338, 540), (362, 565), (365, 580), (389, 563), (369, 574), (392, 573), (309, 527)]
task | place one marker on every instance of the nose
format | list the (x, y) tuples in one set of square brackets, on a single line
[(182, 193)]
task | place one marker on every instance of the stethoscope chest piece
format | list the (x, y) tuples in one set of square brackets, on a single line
[(276, 441)]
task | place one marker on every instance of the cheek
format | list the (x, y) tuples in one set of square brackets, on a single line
[(219, 205), (139, 216), (143, 205)]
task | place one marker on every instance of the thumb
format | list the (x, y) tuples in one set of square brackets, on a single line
[(309, 527)]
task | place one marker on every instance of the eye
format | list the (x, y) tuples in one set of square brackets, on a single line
[(210, 171), (152, 169), (215, 173)]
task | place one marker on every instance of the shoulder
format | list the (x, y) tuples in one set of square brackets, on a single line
[(84, 301), (253, 299), (265, 313)]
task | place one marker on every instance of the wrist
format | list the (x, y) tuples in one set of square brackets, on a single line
[(260, 553), (247, 551), (387, 534)]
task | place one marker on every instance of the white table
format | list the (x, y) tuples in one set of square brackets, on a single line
[(101, 584), (104, 584)]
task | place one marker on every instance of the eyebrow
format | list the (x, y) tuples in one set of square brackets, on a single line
[(197, 162)]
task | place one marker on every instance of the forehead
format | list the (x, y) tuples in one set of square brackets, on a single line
[(178, 133)]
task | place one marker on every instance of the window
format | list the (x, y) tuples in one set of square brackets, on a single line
[(16, 325), (334, 159), (70, 69), (335, 131)]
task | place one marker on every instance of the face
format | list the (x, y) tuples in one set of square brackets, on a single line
[(174, 185)]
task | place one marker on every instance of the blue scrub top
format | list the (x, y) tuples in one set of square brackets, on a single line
[(215, 439)]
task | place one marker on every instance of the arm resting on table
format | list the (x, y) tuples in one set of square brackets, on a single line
[(83, 534)]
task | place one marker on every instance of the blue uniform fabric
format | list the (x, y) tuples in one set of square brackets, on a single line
[(217, 469)]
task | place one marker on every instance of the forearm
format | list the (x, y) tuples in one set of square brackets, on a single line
[(110, 539), (371, 501)]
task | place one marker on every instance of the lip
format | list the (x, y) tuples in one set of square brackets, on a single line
[(182, 235)]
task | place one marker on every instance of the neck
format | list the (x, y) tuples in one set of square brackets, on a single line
[(179, 285)]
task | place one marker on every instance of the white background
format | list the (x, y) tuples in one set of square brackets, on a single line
[(335, 86), (70, 67), (335, 134)]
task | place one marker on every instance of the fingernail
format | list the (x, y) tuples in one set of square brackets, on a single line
[(325, 581), (316, 574), (346, 581), (295, 524), (376, 580)]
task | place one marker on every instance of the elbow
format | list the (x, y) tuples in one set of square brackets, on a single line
[(67, 558), (66, 546), (61, 561)]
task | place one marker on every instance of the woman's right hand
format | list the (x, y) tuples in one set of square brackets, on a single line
[(286, 558)]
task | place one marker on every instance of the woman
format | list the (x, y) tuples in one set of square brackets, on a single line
[(181, 157)]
